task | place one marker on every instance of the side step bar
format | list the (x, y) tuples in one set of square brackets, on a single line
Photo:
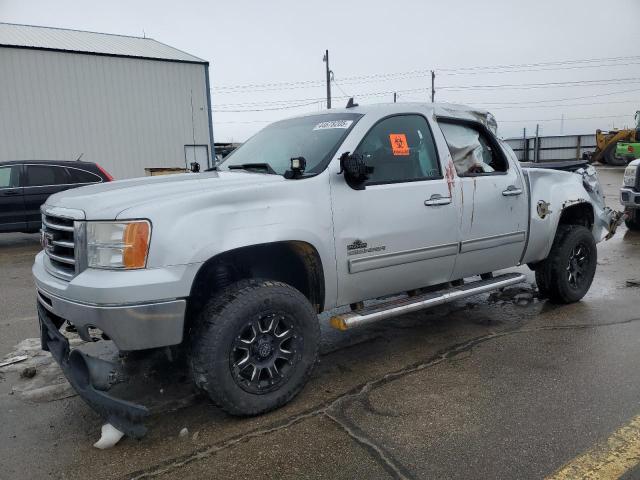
[(401, 306)]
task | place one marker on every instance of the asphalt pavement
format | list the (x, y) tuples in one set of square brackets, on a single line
[(493, 387)]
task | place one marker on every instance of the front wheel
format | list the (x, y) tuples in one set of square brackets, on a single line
[(565, 276), (254, 346), (633, 219)]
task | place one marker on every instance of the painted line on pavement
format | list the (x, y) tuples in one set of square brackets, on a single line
[(606, 460)]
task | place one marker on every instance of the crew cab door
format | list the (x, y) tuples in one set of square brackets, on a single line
[(495, 209), (400, 231), (12, 218)]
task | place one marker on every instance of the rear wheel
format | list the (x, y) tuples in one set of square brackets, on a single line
[(565, 276), (254, 346), (610, 158), (633, 219)]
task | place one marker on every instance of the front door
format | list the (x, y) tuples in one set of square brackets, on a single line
[(12, 217), (401, 231), (495, 209)]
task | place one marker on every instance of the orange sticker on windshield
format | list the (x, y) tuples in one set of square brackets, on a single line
[(399, 145)]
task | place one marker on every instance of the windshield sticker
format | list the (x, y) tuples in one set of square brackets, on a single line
[(333, 124), (399, 145)]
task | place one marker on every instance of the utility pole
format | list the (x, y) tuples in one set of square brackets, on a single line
[(536, 152), (525, 147), (562, 124), (433, 86), (326, 61), (395, 97)]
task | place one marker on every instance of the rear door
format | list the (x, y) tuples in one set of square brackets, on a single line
[(495, 209), (12, 214), (41, 181)]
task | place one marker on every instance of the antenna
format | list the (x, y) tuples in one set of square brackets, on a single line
[(351, 103)]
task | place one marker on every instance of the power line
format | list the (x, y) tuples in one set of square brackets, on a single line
[(286, 107), (558, 105), (565, 118), (512, 68), (562, 99), (526, 86)]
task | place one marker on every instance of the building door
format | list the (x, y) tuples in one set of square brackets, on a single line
[(198, 154)]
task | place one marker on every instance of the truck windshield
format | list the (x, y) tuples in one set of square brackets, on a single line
[(314, 137)]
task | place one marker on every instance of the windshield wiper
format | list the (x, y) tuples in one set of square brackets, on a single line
[(253, 166)]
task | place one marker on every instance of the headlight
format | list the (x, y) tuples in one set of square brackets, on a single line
[(629, 179), (118, 245)]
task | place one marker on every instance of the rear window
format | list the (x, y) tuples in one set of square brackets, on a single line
[(82, 176), (43, 175)]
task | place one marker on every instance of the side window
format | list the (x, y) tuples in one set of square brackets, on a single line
[(41, 175), (9, 177), (82, 176), (400, 149), (473, 153)]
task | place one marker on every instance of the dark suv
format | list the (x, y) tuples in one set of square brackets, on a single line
[(26, 184)]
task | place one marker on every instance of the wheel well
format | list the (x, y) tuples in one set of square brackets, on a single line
[(293, 262), (578, 214)]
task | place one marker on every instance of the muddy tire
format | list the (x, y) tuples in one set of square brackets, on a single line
[(633, 220), (567, 273), (254, 346)]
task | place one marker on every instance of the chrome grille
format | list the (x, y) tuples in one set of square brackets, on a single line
[(59, 244)]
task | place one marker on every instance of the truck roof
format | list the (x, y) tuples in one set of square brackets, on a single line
[(448, 110)]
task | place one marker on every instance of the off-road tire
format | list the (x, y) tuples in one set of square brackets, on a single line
[(633, 221), (609, 157), (552, 274), (218, 328)]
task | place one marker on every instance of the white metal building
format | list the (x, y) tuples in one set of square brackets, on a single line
[(127, 103)]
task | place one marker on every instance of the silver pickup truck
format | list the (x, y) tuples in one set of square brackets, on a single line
[(630, 194), (419, 203)]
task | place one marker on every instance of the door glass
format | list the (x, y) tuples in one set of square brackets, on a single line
[(9, 177), (82, 176), (41, 175), (471, 150), (400, 149)]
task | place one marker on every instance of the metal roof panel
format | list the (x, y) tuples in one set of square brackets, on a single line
[(29, 36)]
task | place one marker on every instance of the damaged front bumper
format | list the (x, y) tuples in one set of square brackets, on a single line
[(91, 377)]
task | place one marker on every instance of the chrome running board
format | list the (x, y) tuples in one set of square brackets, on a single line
[(401, 306)]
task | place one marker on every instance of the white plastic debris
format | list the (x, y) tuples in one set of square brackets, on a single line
[(12, 360), (110, 436), (184, 432)]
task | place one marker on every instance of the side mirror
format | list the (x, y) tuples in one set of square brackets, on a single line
[(355, 170)]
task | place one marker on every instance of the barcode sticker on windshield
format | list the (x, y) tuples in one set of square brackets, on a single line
[(333, 124)]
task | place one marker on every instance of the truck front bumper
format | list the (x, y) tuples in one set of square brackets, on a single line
[(138, 310), (131, 327), (629, 198), (90, 377)]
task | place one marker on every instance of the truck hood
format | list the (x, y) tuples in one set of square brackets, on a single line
[(105, 201)]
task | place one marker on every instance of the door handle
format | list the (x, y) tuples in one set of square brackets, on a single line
[(511, 191), (437, 199), (12, 192)]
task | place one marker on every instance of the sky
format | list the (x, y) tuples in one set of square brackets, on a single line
[(266, 57)]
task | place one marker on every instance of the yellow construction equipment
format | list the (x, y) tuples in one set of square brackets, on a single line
[(606, 142)]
